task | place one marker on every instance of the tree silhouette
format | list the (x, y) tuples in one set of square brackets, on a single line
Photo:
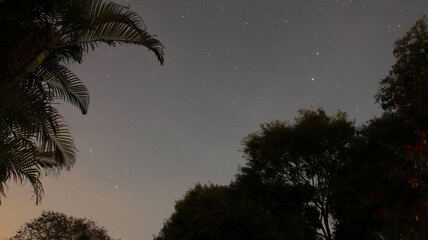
[(388, 175), (306, 154), (405, 89), (43, 38), (215, 212), (54, 225)]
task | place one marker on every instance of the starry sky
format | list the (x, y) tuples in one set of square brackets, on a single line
[(154, 131)]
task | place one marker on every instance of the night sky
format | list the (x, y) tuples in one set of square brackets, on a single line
[(154, 131)]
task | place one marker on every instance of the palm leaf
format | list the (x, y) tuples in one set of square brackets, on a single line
[(110, 23), (57, 139), (62, 83), (18, 163), (23, 110)]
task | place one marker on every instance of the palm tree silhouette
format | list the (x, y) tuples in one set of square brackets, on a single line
[(43, 38)]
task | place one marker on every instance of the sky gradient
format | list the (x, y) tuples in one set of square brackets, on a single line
[(153, 131)]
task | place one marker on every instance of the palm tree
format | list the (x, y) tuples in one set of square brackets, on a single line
[(45, 36)]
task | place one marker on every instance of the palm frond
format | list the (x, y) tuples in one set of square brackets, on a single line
[(23, 111), (23, 156), (111, 23), (57, 139), (18, 163), (64, 84)]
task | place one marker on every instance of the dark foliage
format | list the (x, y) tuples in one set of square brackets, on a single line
[(39, 40), (405, 89), (54, 225), (305, 155), (388, 175), (224, 212)]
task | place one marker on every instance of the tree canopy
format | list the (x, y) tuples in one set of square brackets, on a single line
[(54, 225), (405, 89), (307, 153), (215, 212)]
